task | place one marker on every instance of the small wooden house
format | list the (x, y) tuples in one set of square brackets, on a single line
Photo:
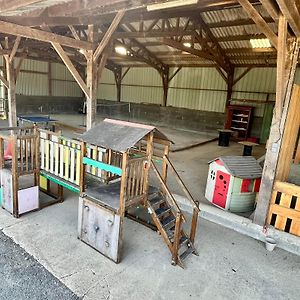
[(233, 182)]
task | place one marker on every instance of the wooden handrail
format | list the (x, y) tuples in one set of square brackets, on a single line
[(177, 208), (189, 196), (16, 128)]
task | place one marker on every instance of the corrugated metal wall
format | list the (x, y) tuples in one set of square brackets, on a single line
[(63, 83), (198, 88), (107, 88), (33, 80), (142, 85), (30, 83), (193, 88)]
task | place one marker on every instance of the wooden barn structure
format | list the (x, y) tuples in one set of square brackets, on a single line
[(84, 35)]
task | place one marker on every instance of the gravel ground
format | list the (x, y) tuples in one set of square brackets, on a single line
[(22, 277)]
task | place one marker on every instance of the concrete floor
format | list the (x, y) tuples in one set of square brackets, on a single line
[(229, 265), (22, 277)]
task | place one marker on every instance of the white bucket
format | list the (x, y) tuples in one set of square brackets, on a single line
[(270, 243)]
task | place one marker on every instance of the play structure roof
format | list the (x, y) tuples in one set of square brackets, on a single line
[(241, 166), (119, 135)]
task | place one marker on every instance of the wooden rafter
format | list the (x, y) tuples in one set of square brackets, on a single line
[(15, 48), (290, 11), (211, 44), (108, 34), (259, 21), (180, 46), (143, 51), (271, 8), (10, 5), (35, 34)]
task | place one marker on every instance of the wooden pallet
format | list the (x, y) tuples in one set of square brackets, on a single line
[(284, 212)]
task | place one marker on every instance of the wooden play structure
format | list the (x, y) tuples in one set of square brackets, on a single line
[(19, 169), (111, 167)]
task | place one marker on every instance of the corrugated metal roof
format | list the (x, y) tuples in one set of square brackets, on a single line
[(119, 135), (242, 166)]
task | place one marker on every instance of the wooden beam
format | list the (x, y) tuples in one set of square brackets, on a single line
[(108, 34), (259, 21), (44, 36), (281, 79), (177, 45), (125, 73), (236, 80), (11, 93), (290, 11), (68, 63), (10, 5), (277, 127), (271, 8), (4, 81), (175, 73), (15, 48), (290, 134)]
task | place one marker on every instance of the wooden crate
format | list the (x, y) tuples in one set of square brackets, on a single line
[(284, 212)]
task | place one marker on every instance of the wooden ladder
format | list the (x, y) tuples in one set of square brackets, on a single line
[(169, 219)]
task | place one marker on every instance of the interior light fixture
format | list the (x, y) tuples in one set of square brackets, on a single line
[(170, 4), (260, 43), (187, 45), (82, 51), (121, 50)]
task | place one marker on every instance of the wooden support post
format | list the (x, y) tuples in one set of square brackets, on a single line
[(229, 86), (11, 92), (289, 139), (149, 157), (82, 168), (165, 164), (286, 66), (37, 158), (177, 236), (118, 80), (194, 224), (297, 155), (15, 178), (165, 81), (123, 184), (91, 80)]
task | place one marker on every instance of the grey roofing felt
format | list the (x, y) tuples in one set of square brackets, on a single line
[(242, 166), (119, 137)]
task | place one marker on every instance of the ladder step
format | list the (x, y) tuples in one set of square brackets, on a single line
[(156, 201), (183, 240), (168, 222), (186, 253), (162, 211)]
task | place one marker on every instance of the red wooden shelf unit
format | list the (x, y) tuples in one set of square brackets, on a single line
[(239, 119)]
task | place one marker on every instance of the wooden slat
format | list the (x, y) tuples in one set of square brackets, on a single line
[(295, 226), (285, 201), (283, 211), (287, 188)]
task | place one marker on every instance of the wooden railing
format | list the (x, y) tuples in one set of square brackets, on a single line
[(135, 189), (284, 211), (60, 156), (23, 143), (113, 158)]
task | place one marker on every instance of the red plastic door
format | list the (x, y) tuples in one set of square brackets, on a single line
[(221, 189)]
